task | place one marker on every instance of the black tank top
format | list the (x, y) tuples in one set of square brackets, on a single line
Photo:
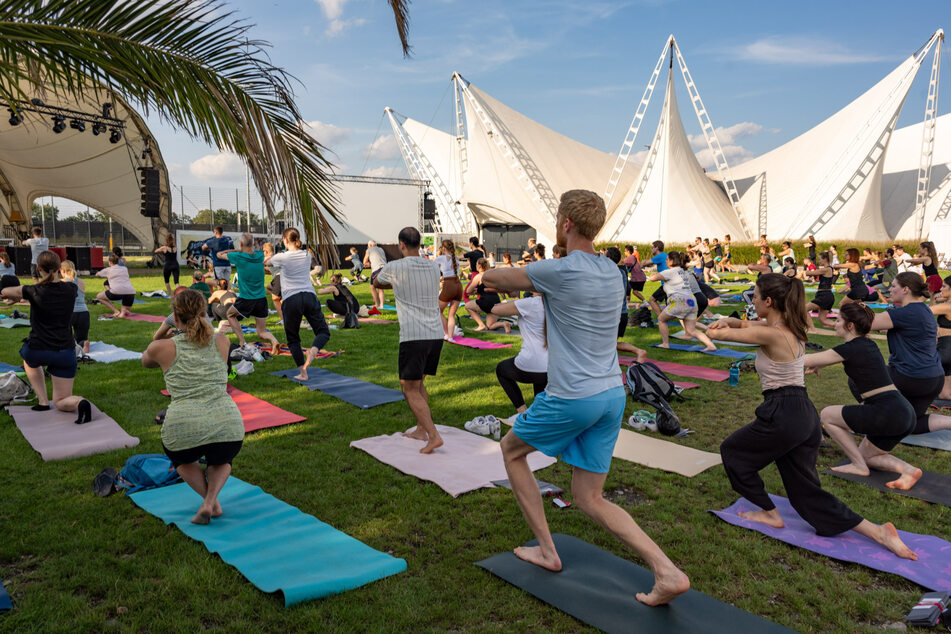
[(857, 281), (825, 283), (930, 269), (944, 322)]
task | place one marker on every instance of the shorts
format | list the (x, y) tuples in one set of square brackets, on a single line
[(682, 306), (419, 357), (944, 351), (859, 294), (702, 303), (824, 300), (488, 301), (660, 295), (214, 453), (708, 264), (35, 272), (583, 431), (9, 281), (884, 418), (274, 288), (451, 290), (622, 325), (934, 283), (637, 286), (256, 308), (222, 272), (127, 300), (219, 311), (79, 322), (373, 275), (59, 363)]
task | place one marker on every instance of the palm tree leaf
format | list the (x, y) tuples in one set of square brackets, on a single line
[(401, 14)]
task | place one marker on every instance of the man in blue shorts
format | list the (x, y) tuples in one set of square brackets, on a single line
[(578, 416)]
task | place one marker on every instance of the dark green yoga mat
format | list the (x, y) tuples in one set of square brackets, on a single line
[(598, 588), (932, 487)]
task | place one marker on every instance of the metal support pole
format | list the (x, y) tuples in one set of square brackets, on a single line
[(212, 211), (247, 185), (53, 213), (237, 209), (88, 227)]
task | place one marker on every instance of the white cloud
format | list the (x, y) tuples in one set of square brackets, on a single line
[(222, 166), (336, 27), (383, 148), (333, 9), (728, 137), (385, 171), (802, 51), (326, 133)]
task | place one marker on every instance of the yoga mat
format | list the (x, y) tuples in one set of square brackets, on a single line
[(932, 570), (374, 320), (932, 487), (108, 353), (142, 317), (5, 603), (940, 439), (256, 413), (283, 349), (14, 323), (478, 344), (273, 544), (682, 335), (354, 391), (158, 293), (465, 462), (692, 371), (598, 588), (663, 454), (941, 402), (6, 367), (388, 307), (56, 436), (721, 352)]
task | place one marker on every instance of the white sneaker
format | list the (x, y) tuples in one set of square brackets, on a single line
[(458, 332), (484, 426), (243, 367)]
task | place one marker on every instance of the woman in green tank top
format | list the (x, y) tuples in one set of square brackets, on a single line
[(202, 420)]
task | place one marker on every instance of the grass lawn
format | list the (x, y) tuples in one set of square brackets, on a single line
[(73, 561)]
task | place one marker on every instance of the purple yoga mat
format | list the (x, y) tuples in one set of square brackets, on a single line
[(478, 344), (693, 371), (932, 570)]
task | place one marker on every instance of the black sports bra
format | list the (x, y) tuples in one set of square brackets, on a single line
[(825, 282), (944, 322)]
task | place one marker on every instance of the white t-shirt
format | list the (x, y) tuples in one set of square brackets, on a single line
[(415, 282), (118, 276), (37, 246), (533, 357), (377, 258), (445, 266), (674, 282), (295, 272)]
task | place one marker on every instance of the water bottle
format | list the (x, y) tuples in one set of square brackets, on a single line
[(734, 375)]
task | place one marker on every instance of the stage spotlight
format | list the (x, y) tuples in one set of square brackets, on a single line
[(36, 102), (116, 136), (78, 124), (59, 123), (98, 128), (14, 118), (106, 107), (146, 152)]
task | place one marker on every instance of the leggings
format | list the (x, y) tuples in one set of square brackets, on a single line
[(338, 306), (303, 306), (920, 393), (786, 431), (79, 322), (510, 376), (171, 272)]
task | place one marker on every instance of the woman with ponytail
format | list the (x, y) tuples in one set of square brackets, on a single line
[(450, 295), (883, 414), (51, 343), (202, 421), (928, 259), (913, 360), (786, 430)]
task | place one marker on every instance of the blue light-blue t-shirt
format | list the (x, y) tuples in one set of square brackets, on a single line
[(661, 261), (582, 334), (250, 273)]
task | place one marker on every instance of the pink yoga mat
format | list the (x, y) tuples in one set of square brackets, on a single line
[(693, 371), (258, 414), (465, 462), (142, 317), (478, 344), (56, 436)]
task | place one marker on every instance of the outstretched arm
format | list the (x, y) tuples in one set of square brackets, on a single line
[(506, 309), (882, 321), (822, 359), (508, 279)]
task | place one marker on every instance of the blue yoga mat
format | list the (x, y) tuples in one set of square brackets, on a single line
[(5, 603), (6, 367), (354, 391), (721, 352), (879, 305), (940, 439), (389, 307), (273, 544)]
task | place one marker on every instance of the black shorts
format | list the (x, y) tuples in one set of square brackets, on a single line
[(79, 322), (419, 357), (885, 419), (859, 294), (702, 303), (660, 296), (488, 301), (824, 300), (708, 264), (637, 286), (214, 453), (274, 288), (127, 300), (251, 307), (944, 351)]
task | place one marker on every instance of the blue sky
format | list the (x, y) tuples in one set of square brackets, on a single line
[(767, 71)]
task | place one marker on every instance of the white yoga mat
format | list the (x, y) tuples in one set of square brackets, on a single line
[(56, 436), (107, 353)]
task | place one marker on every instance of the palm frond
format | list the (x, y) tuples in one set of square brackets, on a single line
[(401, 14), (192, 63)]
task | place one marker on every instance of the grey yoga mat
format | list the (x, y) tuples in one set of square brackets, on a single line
[(354, 391), (932, 487), (940, 439), (55, 435), (598, 588)]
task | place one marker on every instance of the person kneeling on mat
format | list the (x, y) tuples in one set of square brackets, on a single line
[(119, 287), (202, 420), (883, 414), (530, 365)]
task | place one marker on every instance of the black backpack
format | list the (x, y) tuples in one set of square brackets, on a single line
[(648, 384), (642, 318)]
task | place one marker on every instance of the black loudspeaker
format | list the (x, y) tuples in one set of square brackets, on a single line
[(429, 207), (150, 192), (280, 226), (21, 258), (80, 258)]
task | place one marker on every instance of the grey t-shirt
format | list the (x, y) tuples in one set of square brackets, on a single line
[(415, 282), (583, 296), (377, 258), (37, 246)]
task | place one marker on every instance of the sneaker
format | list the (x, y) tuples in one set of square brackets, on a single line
[(279, 322), (484, 426), (243, 367), (458, 332)]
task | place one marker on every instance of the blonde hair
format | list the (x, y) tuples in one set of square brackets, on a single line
[(482, 264), (67, 271), (190, 309), (585, 209), (267, 247)]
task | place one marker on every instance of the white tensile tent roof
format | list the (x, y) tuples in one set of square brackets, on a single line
[(35, 162)]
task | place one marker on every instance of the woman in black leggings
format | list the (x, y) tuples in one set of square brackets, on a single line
[(942, 311), (913, 361), (531, 363), (343, 301), (170, 269), (883, 414)]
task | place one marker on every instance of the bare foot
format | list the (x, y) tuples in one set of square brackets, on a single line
[(853, 469), (534, 555), (434, 443), (480, 328), (508, 327), (770, 518), (203, 516), (906, 481), (710, 349), (667, 587), (217, 511), (417, 434), (124, 313), (641, 356), (302, 376), (116, 314), (889, 539), (664, 345), (275, 349)]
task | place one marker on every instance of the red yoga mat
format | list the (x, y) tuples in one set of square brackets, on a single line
[(283, 349), (258, 414), (693, 371), (142, 317)]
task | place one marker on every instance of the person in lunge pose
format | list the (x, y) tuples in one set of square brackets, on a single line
[(786, 429), (858, 290), (681, 304), (578, 416), (943, 311), (342, 301), (251, 301), (415, 284), (202, 421), (450, 295), (530, 365), (883, 414), (824, 298), (487, 299)]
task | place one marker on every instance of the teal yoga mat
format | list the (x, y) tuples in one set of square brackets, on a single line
[(273, 544), (721, 352)]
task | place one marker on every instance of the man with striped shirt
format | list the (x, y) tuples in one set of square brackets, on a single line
[(415, 284)]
